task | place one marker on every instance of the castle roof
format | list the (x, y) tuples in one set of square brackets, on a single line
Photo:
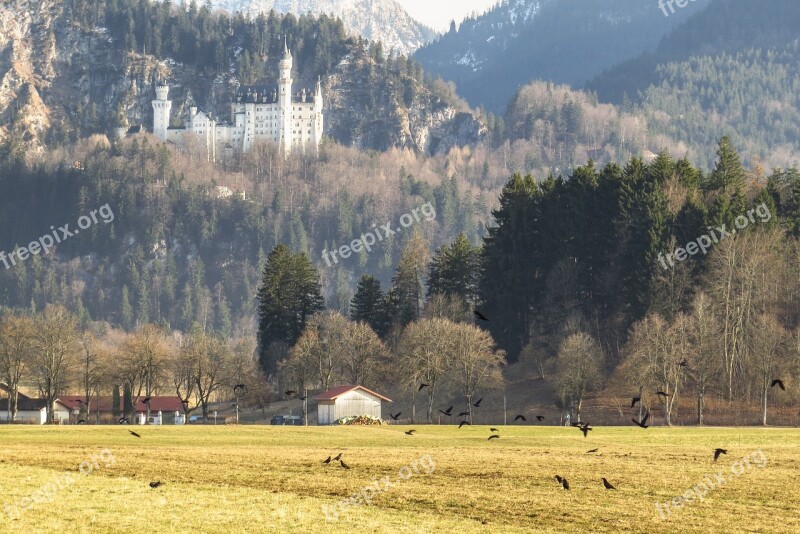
[(268, 94)]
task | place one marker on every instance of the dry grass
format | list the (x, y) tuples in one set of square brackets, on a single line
[(270, 479)]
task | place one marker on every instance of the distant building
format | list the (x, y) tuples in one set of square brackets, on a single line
[(33, 411), (293, 120), (346, 401), (163, 409)]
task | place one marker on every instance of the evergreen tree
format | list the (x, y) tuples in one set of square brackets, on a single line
[(455, 270), (370, 306), (407, 294)]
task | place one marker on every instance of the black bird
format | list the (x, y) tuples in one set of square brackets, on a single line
[(338, 457), (462, 423), (134, 433), (81, 421), (494, 436), (608, 485), (662, 394), (585, 429), (492, 430), (146, 400), (559, 479), (422, 386), (123, 420), (684, 363), (448, 412), (327, 460), (540, 418), (565, 484), (395, 416), (717, 452), (591, 451), (480, 316), (303, 398), (635, 400), (291, 393), (478, 404), (155, 484), (344, 465), (462, 414), (238, 387), (643, 422), (517, 418), (778, 382), (410, 432)]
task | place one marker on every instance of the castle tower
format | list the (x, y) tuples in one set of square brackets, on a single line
[(161, 111), (318, 116), (285, 99)]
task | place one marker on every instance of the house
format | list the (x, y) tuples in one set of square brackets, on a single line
[(166, 409), (34, 411), (345, 401)]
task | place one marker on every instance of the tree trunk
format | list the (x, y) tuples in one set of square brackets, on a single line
[(766, 395), (700, 409)]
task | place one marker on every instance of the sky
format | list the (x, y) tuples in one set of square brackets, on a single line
[(438, 13)]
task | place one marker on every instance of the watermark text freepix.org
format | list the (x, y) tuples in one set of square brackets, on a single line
[(714, 482), (366, 241), (704, 242), (48, 241), (664, 4)]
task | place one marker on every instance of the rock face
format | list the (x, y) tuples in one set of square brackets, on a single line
[(58, 80), (376, 20)]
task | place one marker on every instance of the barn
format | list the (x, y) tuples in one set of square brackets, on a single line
[(348, 400)]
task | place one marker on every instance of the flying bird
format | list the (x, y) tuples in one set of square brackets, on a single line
[(662, 394), (494, 436), (344, 465), (517, 418), (462, 414), (395, 416), (303, 398), (591, 451), (422, 386), (123, 420), (635, 400), (493, 430), (462, 423), (146, 400), (585, 429), (540, 418), (608, 485), (778, 382), (156, 484), (81, 421), (134, 433), (291, 393), (480, 316), (327, 460), (643, 422), (448, 412), (410, 432), (565, 484), (338, 457), (478, 403), (717, 452)]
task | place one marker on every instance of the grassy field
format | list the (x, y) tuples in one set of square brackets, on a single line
[(271, 479)]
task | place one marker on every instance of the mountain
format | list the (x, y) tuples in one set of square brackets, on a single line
[(377, 20), (95, 66), (565, 41)]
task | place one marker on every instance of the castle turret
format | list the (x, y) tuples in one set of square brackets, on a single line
[(285, 99), (318, 115), (161, 111)]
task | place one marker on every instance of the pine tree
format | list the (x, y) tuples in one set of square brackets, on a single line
[(455, 270), (407, 290), (369, 305)]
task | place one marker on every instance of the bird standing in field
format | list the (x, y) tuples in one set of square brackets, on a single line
[(564, 484), (344, 465), (327, 460), (717, 452), (608, 485), (338, 457), (778, 382), (410, 432), (559, 479), (155, 484), (134, 433), (591, 451)]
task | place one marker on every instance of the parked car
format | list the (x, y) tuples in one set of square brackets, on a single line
[(290, 420)]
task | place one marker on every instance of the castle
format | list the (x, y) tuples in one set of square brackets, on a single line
[(294, 121)]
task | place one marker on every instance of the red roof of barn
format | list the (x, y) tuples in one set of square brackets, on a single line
[(163, 404), (333, 394)]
